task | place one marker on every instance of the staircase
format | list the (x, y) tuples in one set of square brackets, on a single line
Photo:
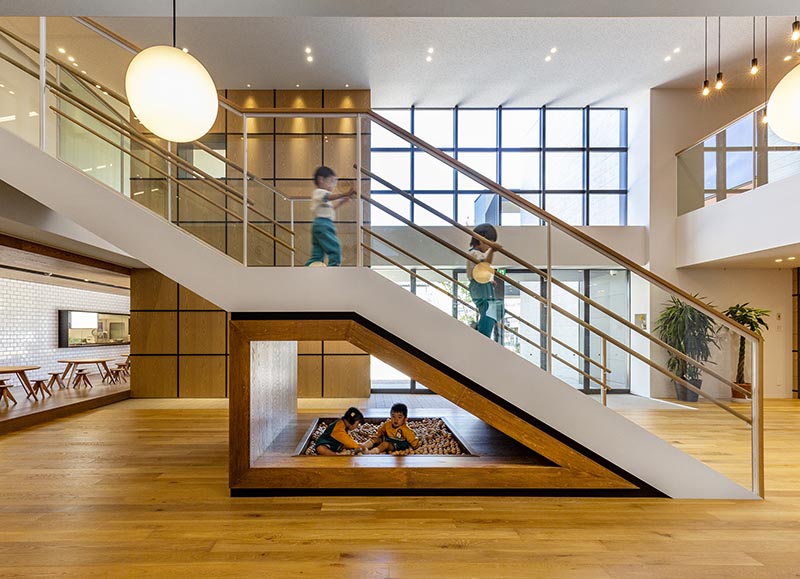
[(590, 449)]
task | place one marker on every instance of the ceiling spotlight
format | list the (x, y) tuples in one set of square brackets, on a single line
[(430, 50), (248, 85), (74, 64), (778, 260), (706, 90), (97, 86), (667, 58), (787, 58), (553, 50), (83, 72), (346, 86), (754, 66), (71, 58), (62, 51), (11, 92), (677, 50), (795, 29), (719, 84), (428, 58), (790, 258), (548, 58), (308, 50), (297, 86), (310, 58)]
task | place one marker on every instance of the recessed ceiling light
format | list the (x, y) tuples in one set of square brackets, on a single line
[(86, 280), (778, 260), (548, 58), (308, 50), (428, 58), (97, 86), (248, 85), (62, 51), (11, 92), (105, 93), (2, 86), (75, 64), (83, 72), (71, 58), (430, 50), (787, 58), (297, 86), (186, 50), (553, 50), (667, 58), (677, 50), (790, 258), (346, 85), (310, 58)]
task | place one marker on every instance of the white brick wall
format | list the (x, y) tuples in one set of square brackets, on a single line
[(29, 324)]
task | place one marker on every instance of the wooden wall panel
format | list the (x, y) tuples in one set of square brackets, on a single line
[(154, 376), (203, 376), (341, 347), (188, 300), (154, 332), (297, 157), (309, 347), (152, 291), (203, 332), (346, 377), (309, 376)]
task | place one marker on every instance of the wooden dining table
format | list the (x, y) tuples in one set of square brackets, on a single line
[(20, 372), (73, 365)]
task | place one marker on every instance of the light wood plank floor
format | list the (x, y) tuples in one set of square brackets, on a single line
[(139, 489)]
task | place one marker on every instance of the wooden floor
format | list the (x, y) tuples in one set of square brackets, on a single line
[(139, 489), (63, 402)]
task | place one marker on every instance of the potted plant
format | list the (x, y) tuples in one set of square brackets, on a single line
[(691, 332), (753, 319)]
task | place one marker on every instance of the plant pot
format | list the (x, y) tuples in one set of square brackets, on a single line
[(686, 395), (747, 386)]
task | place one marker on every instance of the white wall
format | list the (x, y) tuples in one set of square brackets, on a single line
[(29, 323), (767, 214), (679, 118), (273, 392)]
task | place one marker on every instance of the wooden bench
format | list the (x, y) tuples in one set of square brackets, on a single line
[(81, 379), (55, 379), (115, 376), (40, 385), (6, 395)]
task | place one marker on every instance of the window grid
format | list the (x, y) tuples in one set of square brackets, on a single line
[(615, 211)]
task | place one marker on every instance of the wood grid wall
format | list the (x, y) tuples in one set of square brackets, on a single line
[(179, 348)]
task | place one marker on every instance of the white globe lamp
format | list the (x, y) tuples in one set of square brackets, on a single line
[(783, 109), (171, 93)]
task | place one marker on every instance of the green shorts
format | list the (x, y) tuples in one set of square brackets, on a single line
[(331, 443), (397, 444)]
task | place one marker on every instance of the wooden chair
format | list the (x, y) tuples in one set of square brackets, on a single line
[(40, 385), (5, 394), (114, 376), (122, 370), (55, 379), (81, 379)]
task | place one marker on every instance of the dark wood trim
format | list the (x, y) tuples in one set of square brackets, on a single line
[(46, 250)]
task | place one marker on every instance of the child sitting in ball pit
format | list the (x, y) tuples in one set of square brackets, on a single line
[(336, 439), (394, 434)]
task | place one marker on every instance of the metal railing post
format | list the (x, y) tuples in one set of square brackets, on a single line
[(42, 83), (169, 183), (359, 208), (549, 297), (604, 373), (291, 225), (244, 191), (757, 416)]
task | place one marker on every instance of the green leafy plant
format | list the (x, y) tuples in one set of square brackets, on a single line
[(751, 318), (689, 331)]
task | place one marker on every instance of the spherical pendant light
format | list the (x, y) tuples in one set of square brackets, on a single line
[(783, 108), (171, 93)]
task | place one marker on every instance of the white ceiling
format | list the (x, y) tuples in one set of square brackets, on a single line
[(476, 61)]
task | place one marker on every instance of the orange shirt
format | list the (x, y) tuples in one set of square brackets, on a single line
[(401, 433)]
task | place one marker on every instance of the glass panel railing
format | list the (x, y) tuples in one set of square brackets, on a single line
[(740, 157), (571, 306)]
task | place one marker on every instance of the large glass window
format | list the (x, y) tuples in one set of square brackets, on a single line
[(573, 162)]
